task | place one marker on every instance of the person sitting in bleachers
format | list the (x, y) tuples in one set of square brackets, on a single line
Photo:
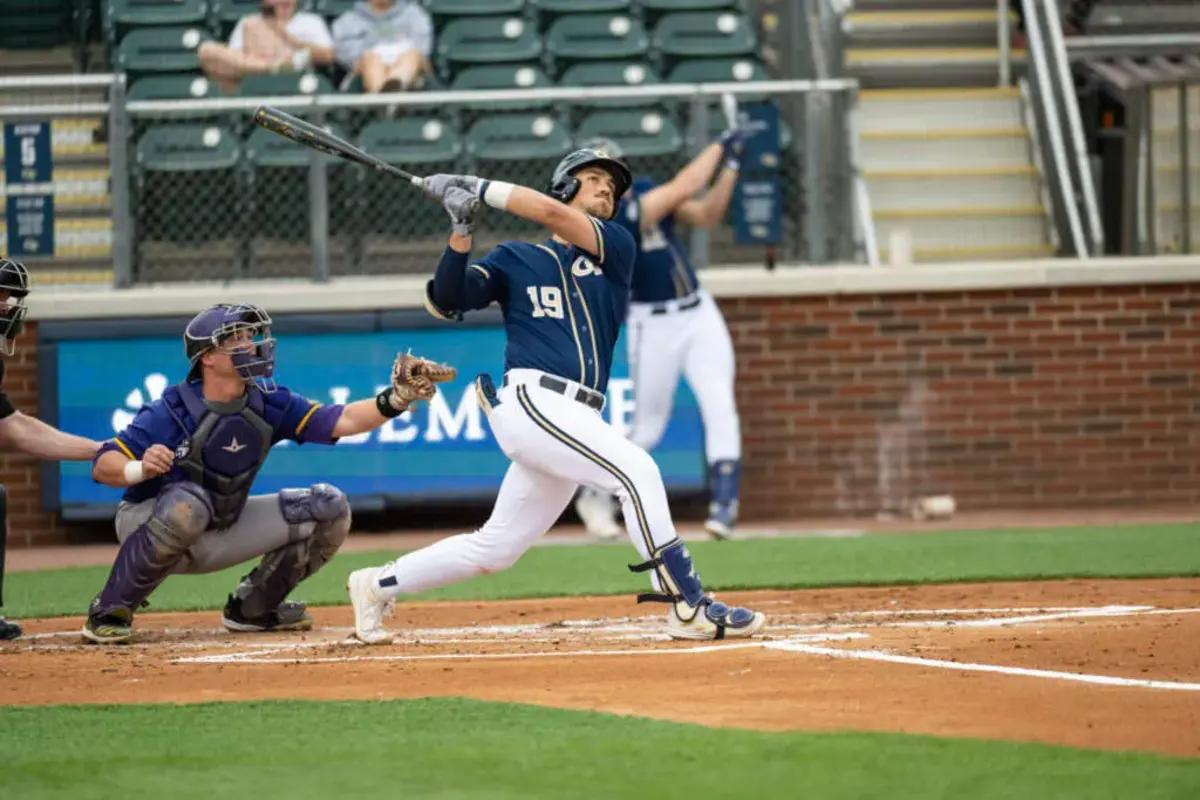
[(386, 43), (277, 39)]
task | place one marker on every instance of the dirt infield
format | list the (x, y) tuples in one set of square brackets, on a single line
[(1108, 664)]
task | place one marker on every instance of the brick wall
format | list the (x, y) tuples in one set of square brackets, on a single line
[(853, 404), (1018, 398)]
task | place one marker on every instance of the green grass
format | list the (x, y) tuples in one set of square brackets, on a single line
[(447, 747), (1107, 552)]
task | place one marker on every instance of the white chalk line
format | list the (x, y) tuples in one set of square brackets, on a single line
[(893, 658)]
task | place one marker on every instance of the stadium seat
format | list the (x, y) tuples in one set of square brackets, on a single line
[(224, 14), (278, 185), (35, 24), (332, 9), (704, 35), (487, 40), (419, 139), (639, 133), (187, 148), (612, 73), (503, 76), (666, 6), (174, 87), (717, 70), (423, 144), (514, 137), (149, 50), (284, 84), (466, 8), (582, 37), (187, 186), (126, 14), (557, 7)]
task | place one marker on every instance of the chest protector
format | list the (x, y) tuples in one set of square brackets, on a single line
[(228, 447)]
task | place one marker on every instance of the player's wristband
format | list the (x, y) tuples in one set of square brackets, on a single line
[(383, 402), (496, 193), (134, 472)]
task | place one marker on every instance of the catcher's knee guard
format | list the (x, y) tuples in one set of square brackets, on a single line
[(694, 614), (283, 569), (181, 514)]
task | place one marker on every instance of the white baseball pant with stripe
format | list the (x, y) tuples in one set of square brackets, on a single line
[(556, 443)]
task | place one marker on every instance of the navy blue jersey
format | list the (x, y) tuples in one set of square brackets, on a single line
[(662, 271), (563, 306)]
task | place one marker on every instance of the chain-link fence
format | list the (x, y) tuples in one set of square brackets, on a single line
[(212, 197)]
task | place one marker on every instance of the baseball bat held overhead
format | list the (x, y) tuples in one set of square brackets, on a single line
[(310, 135)]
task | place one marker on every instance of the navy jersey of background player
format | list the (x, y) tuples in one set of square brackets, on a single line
[(663, 271), (563, 306)]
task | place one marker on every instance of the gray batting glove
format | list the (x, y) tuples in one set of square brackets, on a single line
[(462, 205), (436, 186)]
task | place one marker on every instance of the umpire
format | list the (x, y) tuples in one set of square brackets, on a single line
[(19, 432)]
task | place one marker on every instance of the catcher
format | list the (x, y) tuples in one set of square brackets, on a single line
[(187, 462)]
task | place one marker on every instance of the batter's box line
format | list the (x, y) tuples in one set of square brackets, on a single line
[(893, 658)]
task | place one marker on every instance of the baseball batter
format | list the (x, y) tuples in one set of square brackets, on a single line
[(675, 326), (188, 461), (563, 303)]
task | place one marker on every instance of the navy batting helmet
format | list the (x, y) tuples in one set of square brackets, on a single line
[(564, 185), (14, 279), (208, 329)]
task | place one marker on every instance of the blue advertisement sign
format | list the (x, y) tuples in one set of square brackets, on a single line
[(443, 449), (758, 199), (28, 171)]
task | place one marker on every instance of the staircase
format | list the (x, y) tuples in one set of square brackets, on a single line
[(82, 206)]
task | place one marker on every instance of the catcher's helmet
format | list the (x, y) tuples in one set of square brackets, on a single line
[(208, 329), (564, 185), (14, 279)]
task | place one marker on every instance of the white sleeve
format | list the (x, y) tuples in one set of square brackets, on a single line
[(311, 29), (236, 38)]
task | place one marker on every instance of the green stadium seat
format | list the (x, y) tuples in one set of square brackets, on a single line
[(612, 73), (149, 50), (126, 14), (704, 35), (584, 37), (667, 6), (556, 7), (640, 134), (187, 183), (419, 139), (284, 84), (332, 9), (224, 14), (174, 87), (267, 149), (503, 76), (717, 70), (422, 144), (516, 137), (278, 187), (487, 40), (187, 148), (36, 24), (467, 8)]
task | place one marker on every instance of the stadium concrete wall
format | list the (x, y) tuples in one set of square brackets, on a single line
[(1045, 384)]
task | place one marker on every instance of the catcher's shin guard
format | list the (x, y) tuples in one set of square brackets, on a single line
[(694, 614)]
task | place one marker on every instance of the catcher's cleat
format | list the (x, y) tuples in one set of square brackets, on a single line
[(721, 520), (713, 620), (370, 606), (287, 617), (9, 630), (114, 626), (596, 511)]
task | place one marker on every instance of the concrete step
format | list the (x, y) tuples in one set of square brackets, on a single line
[(954, 188), (928, 66), (898, 28), (946, 149), (78, 189), (935, 109), (1004, 252), (974, 227), (1134, 16)]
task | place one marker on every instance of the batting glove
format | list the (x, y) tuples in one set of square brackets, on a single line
[(733, 142), (462, 206), (436, 186)]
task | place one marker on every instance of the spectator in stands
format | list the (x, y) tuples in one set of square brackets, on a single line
[(277, 39), (385, 42)]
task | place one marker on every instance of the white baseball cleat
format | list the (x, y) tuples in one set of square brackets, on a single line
[(598, 514), (370, 606), (734, 622)]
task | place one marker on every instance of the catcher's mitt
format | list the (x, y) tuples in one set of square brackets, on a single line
[(414, 378)]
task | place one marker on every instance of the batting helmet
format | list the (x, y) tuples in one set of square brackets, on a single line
[(213, 325), (14, 279), (564, 185)]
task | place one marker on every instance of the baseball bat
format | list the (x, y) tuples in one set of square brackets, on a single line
[(310, 135), (729, 105)]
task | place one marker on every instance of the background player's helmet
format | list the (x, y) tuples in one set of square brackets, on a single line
[(14, 279), (213, 325), (564, 185)]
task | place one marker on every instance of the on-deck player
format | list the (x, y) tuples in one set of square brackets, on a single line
[(190, 457), (18, 431), (563, 302), (675, 325)]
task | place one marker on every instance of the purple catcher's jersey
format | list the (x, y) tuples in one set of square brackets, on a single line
[(563, 306), (662, 271), (235, 444)]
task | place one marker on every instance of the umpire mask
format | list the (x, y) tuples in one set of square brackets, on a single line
[(14, 279), (252, 353)]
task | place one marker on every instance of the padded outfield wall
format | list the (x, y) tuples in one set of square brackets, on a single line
[(1043, 384)]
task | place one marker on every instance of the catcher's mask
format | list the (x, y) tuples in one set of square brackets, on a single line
[(14, 279), (253, 358), (564, 185)]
